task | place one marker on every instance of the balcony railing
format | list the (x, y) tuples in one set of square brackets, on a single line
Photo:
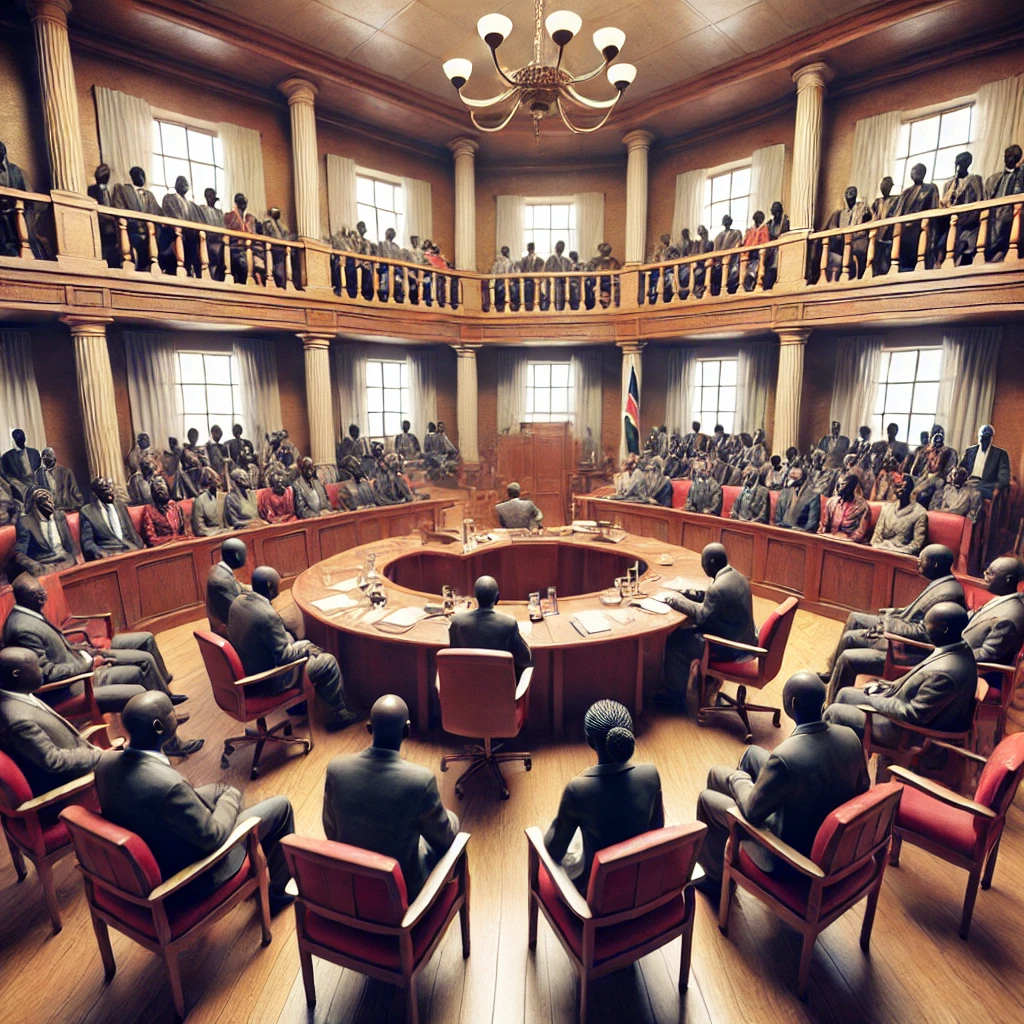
[(26, 225), (376, 281), (576, 291)]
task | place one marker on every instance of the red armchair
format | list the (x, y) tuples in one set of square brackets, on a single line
[(353, 910), (229, 682), (125, 891), (639, 897), (846, 864), (961, 831), (95, 629), (80, 709)]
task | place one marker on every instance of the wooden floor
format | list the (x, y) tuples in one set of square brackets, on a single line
[(918, 969)]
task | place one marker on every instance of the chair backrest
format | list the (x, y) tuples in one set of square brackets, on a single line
[(135, 515), (14, 787), (854, 829), (56, 609), (774, 635), (6, 604), (640, 870), (73, 527), (478, 692), (729, 496), (1002, 774), (346, 880), (116, 857), (954, 532), (224, 668), (8, 538), (680, 492)]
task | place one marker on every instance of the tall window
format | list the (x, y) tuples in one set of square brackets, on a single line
[(550, 394), (181, 150), (714, 394), (908, 391), (381, 205), (933, 141), (387, 395), (210, 392), (727, 193), (546, 222)]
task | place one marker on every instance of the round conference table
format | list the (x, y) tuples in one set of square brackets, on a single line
[(572, 670)]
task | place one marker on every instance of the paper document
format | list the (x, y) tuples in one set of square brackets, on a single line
[(592, 622), (334, 604), (681, 583), (650, 605), (525, 627), (404, 616), (349, 584)]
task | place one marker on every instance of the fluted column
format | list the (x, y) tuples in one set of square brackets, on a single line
[(638, 145), (786, 430), (465, 210), (301, 94), (60, 101), (810, 101), (466, 403), (319, 407), (630, 360)]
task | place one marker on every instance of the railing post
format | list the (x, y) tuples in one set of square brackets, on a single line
[(225, 248), (24, 248), (1013, 253), (204, 257), (922, 244), (870, 259), (951, 239), (154, 262)]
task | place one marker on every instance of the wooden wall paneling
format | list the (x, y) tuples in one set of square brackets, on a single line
[(785, 564), (337, 536), (168, 585), (97, 592), (286, 552), (697, 534), (846, 579), (906, 585), (368, 530), (740, 548)]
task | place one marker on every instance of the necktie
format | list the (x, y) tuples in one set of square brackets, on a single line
[(113, 520), (53, 536)]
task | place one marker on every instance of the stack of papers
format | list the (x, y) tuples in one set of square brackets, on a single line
[(589, 622), (404, 616), (525, 627), (334, 604), (349, 584), (649, 604)]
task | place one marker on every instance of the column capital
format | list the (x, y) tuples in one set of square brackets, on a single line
[(312, 339), (632, 347), (466, 350), (639, 138), (463, 146), (298, 90), (80, 326), (50, 10), (793, 335), (816, 75)]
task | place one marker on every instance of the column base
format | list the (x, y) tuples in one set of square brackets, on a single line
[(77, 229)]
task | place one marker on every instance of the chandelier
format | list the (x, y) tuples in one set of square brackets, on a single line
[(543, 88)]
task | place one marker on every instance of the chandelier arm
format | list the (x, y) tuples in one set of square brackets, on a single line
[(591, 75), (497, 128), (583, 131), (478, 104), (502, 73), (583, 101)]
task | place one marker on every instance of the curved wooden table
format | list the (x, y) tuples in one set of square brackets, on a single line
[(571, 671)]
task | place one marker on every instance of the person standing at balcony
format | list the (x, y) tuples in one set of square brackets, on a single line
[(176, 205), (757, 234), (700, 245), (662, 253), (1008, 182), (237, 219), (883, 208), (777, 225), (961, 189), (134, 196), (273, 227), (502, 265), (209, 214), (728, 238), (389, 249), (557, 263), (531, 263), (853, 211), (920, 197), (104, 196)]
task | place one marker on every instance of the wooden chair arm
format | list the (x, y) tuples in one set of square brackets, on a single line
[(524, 682), (735, 645), (991, 666), (932, 734), (55, 796), (193, 871), (952, 748), (271, 673), (436, 881), (940, 793), (60, 684), (895, 638), (569, 893), (96, 615), (773, 844)]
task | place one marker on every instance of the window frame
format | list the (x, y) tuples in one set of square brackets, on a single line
[(197, 127), (909, 429), (533, 415), (571, 237), (697, 410), (398, 195), (404, 399), (904, 160), (222, 419), (713, 221)]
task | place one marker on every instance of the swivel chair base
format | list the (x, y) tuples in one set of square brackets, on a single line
[(485, 756), (261, 735)]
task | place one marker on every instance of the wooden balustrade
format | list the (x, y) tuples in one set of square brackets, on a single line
[(380, 280), (544, 292), (17, 209)]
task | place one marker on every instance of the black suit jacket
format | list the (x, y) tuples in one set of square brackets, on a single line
[(492, 630), (98, 539), (66, 495), (303, 493), (32, 542), (909, 621), (726, 611), (10, 464), (996, 630), (221, 589), (58, 659), (997, 468), (258, 634)]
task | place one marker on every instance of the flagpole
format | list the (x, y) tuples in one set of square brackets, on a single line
[(632, 378)]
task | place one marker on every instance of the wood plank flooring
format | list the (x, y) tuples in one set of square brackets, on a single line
[(918, 968)]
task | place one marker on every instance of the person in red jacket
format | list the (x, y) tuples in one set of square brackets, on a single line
[(163, 521)]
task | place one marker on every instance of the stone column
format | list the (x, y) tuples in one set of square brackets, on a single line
[(466, 403), (786, 430), (810, 100), (319, 407), (638, 145), (465, 210), (630, 360), (305, 157)]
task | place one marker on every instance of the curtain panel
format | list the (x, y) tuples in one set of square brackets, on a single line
[(125, 126), (855, 385), (422, 363), (508, 225), (511, 390), (767, 166), (261, 399), (689, 206), (19, 395), (681, 364), (756, 370), (153, 395), (341, 193), (999, 109), (350, 379), (243, 167), (967, 391), (589, 224), (875, 140), (586, 374), (419, 210)]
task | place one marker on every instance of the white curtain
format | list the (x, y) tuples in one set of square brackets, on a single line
[(968, 388), (19, 396), (508, 225), (341, 193), (422, 363), (350, 377), (678, 399), (589, 225), (511, 390), (999, 110), (126, 132), (586, 375), (855, 384), (766, 169), (243, 167), (261, 399), (419, 212), (152, 366), (875, 140), (756, 370), (689, 208)]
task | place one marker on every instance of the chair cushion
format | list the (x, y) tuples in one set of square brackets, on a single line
[(729, 496), (55, 834), (381, 950), (257, 707), (947, 825), (680, 489), (746, 672)]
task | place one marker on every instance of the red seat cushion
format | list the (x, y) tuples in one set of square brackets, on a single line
[(947, 825), (747, 672), (381, 950), (946, 528), (55, 834), (680, 489), (257, 707)]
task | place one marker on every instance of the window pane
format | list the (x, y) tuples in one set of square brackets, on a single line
[(903, 146), (926, 399), (944, 165), (375, 420), (174, 140), (218, 369), (193, 398), (918, 424), (542, 375), (560, 375), (720, 187), (383, 195), (560, 216), (195, 422), (740, 208), (385, 220), (204, 176), (559, 399), (898, 399), (218, 399), (542, 216), (711, 371), (729, 371), (902, 367), (924, 134), (190, 367), (741, 182), (392, 423), (374, 373), (392, 375), (174, 169), (727, 421), (727, 400), (364, 190), (375, 399), (542, 399), (392, 400), (929, 365), (200, 146), (956, 127)]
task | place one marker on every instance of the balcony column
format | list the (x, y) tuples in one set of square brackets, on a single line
[(464, 151), (638, 146), (305, 157), (466, 403), (786, 430), (630, 360), (319, 406), (810, 101)]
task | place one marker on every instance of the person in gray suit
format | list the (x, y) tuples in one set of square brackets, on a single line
[(790, 790), (987, 464), (140, 791), (104, 524), (995, 631), (518, 513), (59, 481), (862, 646), (487, 629), (259, 636), (43, 536), (378, 801), (222, 587), (310, 494), (725, 609)]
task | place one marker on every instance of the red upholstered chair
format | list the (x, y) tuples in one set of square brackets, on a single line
[(81, 709), (125, 891), (846, 864), (480, 697), (95, 629), (6, 603), (74, 528), (962, 831), (955, 532), (353, 910), (8, 537), (729, 496), (229, 682), (757, 672), (680, 492), (639, 897)]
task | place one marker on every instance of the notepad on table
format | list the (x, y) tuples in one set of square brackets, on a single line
[(334, 604), (684, 583), (590, 622), (525, 627), (349, 584), (649, 604), (404, 616)]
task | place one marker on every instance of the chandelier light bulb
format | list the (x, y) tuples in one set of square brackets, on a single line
[(458, 70), (609, 41), (494, 29), (620, 75), (562, 26)]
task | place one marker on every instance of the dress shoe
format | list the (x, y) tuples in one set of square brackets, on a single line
[(341, 719), (279, 903), (175, 748), (182, 716), (298, 710), (178, 698)]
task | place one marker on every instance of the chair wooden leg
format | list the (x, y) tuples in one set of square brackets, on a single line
[(412, 1006), (464, 926), (308, 982), (969, 897), (990, 867), (256, 755), (174, 975), (533, 921), (582, 986), (725, 902), (869, 915), (106, 952), (894, 850), (263, 899), (19, 860), (804, 976), (684, 958), (49, 894)]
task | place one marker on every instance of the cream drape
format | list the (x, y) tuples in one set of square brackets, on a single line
[(261, 398), (19, 395), (586, 375), (875, 140), (855, 384), (511, 390), (689, 206), (967, 391), (767, 166), (679, 396), (341, 193), (350, 379), (243, 167), (756, 369), (125, 126), (508, 225), (422, 363), (419, 212), (589, 224), (153, 396), (999, 109)]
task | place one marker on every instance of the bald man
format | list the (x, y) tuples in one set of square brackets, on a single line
[(995, 631), (518, 513), (483, 627), (222, 587)]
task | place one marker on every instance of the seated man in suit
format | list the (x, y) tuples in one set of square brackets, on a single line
[(208, 506), (725, 609), (987, 464), (104, 524), (311, 498), (378, 801), (43, 536), (995, 631), (861, 648), (518, 513), (486, 628), (222, 587), (140, 791), (259, 636), (790, 790), (799, 503)]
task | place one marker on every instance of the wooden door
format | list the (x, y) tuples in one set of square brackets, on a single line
[(551, 444)]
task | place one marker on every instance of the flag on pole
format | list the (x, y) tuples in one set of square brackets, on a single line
[(631, 414)]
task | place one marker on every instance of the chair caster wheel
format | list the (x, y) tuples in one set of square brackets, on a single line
[(224, 762), (254, 774), (777, 719), (504, 794), (528, 764), (228, 749)]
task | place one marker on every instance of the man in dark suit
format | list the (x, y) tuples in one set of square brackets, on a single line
[(60, 482), (790, 790), (725, 609), (311, 498), (258, 634), (104, 524), (378, 801), (221, 585), (987, 464), (518, 513), (861, 648), (140, 791), (20, 463), (43, 536), (995, 631), (489, 629)]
